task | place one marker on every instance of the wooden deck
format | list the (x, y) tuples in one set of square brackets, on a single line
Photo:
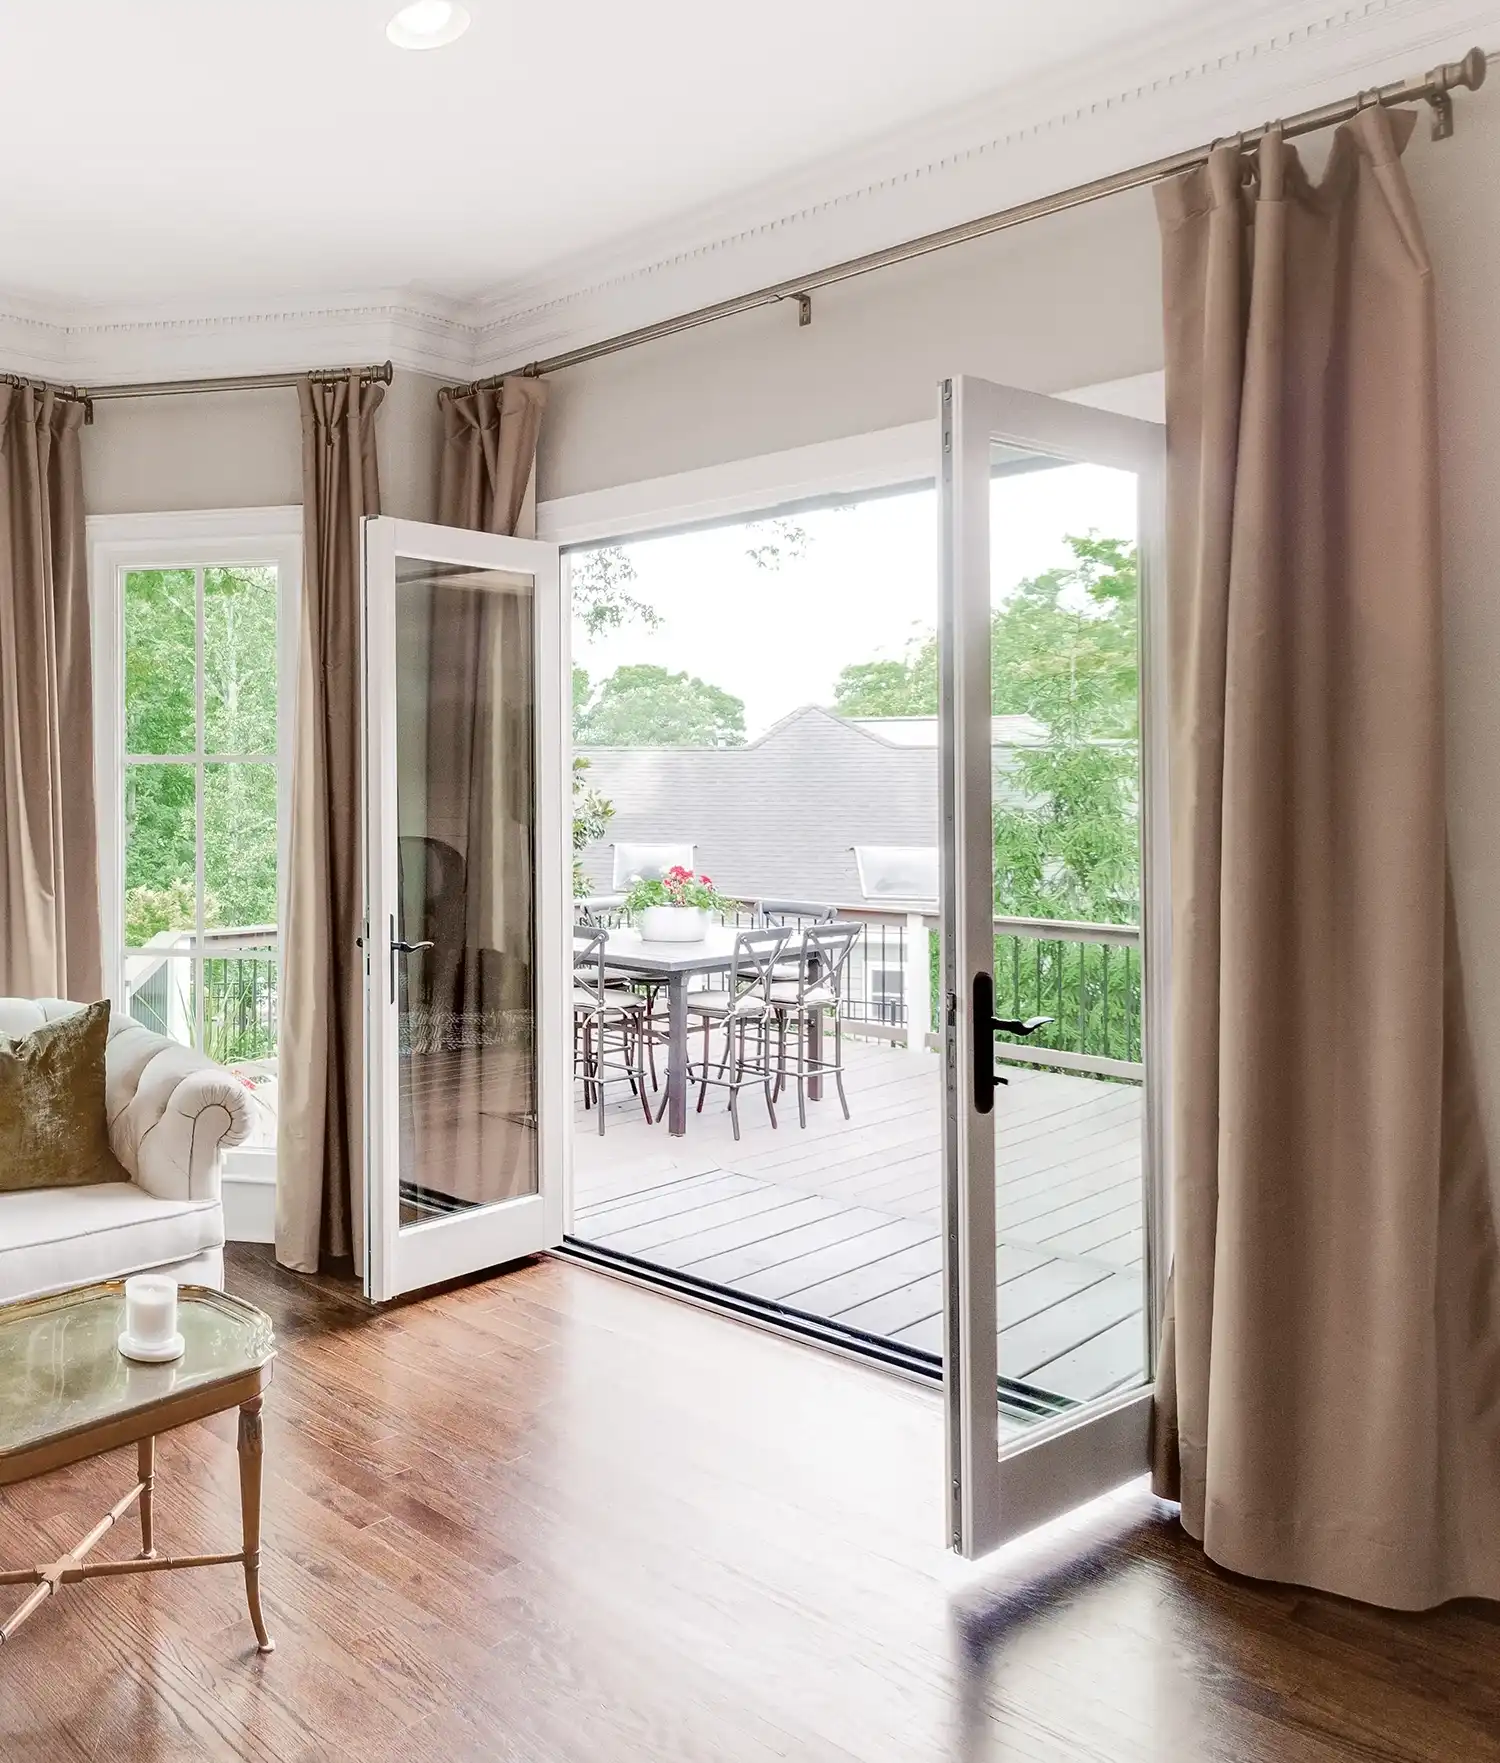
[(841, 1221)]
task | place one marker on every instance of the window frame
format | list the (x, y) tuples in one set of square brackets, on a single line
[(191, 539)]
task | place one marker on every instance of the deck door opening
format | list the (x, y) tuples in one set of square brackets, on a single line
[(757, 703)]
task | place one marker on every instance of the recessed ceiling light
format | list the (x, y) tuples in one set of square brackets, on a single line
[(428, 24)]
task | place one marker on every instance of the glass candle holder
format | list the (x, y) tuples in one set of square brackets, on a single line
[(151, 1318)]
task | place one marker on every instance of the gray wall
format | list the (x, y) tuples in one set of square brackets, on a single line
[(1069, 301), (244, 450)]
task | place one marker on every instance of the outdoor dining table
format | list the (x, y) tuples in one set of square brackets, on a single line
[(627, 951)]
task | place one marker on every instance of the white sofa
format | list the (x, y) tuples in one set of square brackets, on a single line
[(172, 1115)]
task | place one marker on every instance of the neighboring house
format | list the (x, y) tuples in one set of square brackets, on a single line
[(780, 817)]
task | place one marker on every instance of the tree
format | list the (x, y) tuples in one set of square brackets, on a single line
[(239, 718), (884, 688), (1063, 649), (646, 706), (776, 542), (602, 600), (592, 814)]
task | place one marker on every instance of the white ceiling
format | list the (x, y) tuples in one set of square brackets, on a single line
[(219, 155)]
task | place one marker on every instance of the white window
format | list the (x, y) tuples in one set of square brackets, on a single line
[(195, 629)]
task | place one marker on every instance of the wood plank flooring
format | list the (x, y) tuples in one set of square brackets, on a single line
[(840, 1220), (553, 1518)]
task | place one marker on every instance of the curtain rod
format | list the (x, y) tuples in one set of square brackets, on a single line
[(1433, 88), (381, 374)]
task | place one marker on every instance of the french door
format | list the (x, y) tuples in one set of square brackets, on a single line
[(466, 1023), (1053, 1248)]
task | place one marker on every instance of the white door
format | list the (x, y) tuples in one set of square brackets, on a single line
[(467, 1040), (1053, 1217)]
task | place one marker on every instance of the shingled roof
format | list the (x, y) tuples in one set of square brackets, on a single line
[(779, 817)]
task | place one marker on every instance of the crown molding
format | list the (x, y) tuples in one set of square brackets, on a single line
[(1098, 114), (1165, 97), (422, 334)]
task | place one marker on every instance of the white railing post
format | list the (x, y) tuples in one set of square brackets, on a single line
[(916, 983)]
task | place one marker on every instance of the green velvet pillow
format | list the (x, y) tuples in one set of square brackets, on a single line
[(53, 1130)]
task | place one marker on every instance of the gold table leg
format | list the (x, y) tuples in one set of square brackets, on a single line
[(145, 1456), (251, 1452), (72, 1568)]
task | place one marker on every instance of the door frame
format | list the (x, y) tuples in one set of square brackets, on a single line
[(398, 1261), (994, 1497)]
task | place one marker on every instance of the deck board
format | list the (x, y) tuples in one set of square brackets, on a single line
[(840, 1220)]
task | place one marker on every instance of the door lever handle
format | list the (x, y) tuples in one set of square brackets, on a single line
[(402, 948), (1010, 1025)]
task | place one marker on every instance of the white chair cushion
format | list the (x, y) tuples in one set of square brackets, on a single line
[(782, 993), (720, 1004), (54, 1239), (611, 1006)]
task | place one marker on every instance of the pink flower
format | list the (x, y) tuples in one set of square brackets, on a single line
[(706, 880)]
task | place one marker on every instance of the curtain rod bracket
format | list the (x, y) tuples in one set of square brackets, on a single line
[(804, 311), (1442, 115)]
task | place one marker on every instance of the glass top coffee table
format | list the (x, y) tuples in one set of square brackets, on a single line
[(66, 1394)]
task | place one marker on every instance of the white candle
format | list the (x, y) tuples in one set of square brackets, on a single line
[(151, 1310)]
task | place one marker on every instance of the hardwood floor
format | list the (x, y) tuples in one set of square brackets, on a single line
[(552, 1518)]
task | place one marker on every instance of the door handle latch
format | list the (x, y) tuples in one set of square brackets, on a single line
[(411, 949), (986, 1026)]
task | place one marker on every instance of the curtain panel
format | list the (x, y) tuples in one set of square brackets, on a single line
[(50, 939), (1329, 1397), (319, 1210)]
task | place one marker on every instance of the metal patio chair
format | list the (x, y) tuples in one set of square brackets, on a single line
[(815, 989), (609, 1026), (743, 1010)]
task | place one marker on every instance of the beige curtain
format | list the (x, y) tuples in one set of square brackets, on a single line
[(49, 862), (1329, 1405), (470, 1076), (319, 1148)]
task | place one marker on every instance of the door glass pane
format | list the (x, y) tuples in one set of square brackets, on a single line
[(239, 652), (466, 814), (160, 853), (1066, 770), (161, 659)]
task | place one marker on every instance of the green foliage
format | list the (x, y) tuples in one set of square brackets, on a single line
[(602, 600), (646, 706), (239, 715), (1063, 649), (776, 542), (678, 887), (592, 812), (889, 688)]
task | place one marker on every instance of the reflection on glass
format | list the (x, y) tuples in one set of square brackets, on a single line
[(1065, 674), (239, 846), (466, 817), (239, 649), (161, 832), (161, 661)]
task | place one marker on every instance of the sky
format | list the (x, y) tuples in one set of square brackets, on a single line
[(864, 590)]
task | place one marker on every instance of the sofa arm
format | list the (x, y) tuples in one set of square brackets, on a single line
[(172, 1113)]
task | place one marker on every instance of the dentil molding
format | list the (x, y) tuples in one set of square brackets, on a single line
[(1234, 66)]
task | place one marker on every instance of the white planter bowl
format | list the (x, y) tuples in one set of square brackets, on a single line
[(674, 924)]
